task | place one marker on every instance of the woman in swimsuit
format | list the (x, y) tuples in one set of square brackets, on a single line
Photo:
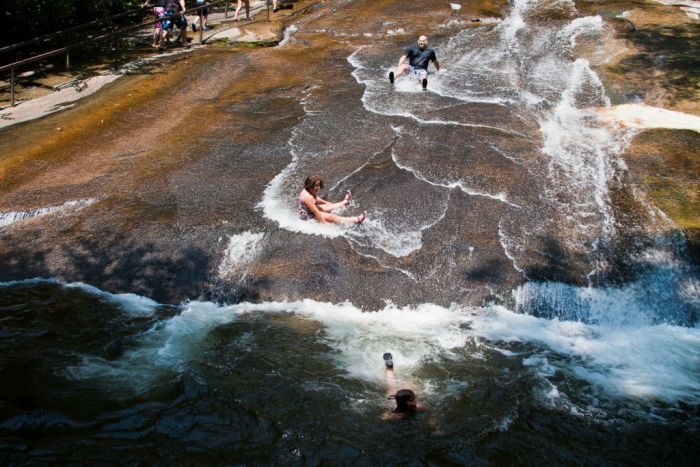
[(311, 206)]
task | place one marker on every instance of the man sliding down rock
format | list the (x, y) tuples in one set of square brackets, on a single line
[(419, 57)]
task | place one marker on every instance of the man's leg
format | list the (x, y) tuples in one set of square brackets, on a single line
[(423, 77), (400, 70), (183, 32)]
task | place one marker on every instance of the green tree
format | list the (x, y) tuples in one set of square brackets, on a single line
[(21, 20)]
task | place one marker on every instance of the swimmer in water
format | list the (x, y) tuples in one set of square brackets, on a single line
[(406, 402), (312, 206)]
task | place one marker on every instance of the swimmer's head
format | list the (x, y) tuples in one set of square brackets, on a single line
[(405, 400)]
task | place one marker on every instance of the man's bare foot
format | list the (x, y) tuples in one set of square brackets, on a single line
[(360, 219)]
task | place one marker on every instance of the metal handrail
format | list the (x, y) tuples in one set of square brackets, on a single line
[(78, 45), (67, 49)]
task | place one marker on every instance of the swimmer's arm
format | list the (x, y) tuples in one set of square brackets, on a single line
[(310, 203), (402, 59), (392, 416), (318, 215), (389, 377), (437, 64)]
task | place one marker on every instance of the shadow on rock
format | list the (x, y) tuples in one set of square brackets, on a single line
[(116, 264)]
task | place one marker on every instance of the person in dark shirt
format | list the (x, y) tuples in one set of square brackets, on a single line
[(415, 61)]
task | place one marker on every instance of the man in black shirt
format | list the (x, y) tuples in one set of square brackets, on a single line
[(419, 57)]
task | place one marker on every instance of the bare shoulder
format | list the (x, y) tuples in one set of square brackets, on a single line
[(392, 416)]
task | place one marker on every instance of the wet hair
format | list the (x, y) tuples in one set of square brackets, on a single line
[(403, 397), (311, 181)]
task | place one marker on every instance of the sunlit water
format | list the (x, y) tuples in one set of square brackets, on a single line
[(549, 370)]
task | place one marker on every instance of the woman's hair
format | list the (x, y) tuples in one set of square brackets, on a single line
[(312, 180), (403, 397)]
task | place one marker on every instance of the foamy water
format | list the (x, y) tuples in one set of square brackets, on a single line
[(646, 361), (641, 117), (133, 304), (11, 217), (241, 250)]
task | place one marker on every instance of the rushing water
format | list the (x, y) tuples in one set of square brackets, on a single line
[(499, 174)]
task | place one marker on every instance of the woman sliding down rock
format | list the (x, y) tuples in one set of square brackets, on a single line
[(311, 206)]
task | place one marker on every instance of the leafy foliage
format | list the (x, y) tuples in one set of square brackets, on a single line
[(21, 20)]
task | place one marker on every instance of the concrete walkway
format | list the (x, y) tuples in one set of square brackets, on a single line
[(222, 29)]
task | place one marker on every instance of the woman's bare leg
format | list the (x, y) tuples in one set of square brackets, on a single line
[(338, 219), (328, 207)]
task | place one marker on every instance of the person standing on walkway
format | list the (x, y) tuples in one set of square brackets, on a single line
[(203, 14), (158, 12), (174, 9), (238, 8), (419, 57)]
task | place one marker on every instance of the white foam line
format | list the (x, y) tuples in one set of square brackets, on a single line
[(438, 122), (132, 303), (691, 7), (499, 197), (8, 218), (507, 252), (32, 281), (503, 154), (367, 255), (440, 217), (342, 180), (641, 116)]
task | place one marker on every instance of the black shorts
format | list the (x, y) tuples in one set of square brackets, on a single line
[(180, 22), (203, 11)]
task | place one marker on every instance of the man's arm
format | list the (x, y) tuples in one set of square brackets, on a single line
[(437, 64), (402, 59)]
